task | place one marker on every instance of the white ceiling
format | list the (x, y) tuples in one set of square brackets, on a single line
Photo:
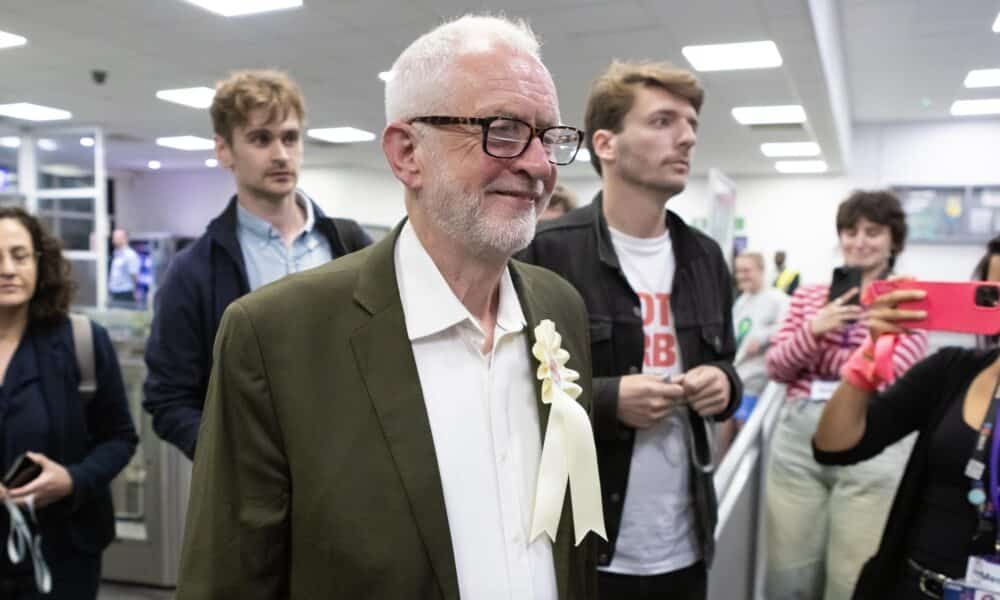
[(896, 53)]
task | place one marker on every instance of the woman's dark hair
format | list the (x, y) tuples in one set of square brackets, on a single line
[(54, 287), (982, 271), (878, 206)]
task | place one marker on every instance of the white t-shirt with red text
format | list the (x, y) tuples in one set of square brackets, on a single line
[(657, 533)]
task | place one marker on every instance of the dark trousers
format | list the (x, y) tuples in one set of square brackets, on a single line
[(76, 578), (690, 583)]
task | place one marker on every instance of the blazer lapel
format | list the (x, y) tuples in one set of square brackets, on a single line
[(385, 360), (537, 307)]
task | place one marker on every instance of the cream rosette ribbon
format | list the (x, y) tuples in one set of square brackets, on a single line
[(568, 451)]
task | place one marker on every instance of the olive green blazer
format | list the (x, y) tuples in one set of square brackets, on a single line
[(315, 474)]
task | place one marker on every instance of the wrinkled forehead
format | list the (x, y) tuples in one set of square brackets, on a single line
[(501, 81)]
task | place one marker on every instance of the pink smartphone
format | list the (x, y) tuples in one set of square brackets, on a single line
[(963, 307)]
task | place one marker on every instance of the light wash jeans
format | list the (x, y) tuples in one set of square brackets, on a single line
[(823, 522)]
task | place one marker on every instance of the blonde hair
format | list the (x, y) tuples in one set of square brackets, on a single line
[(613, 93), (246, 91)]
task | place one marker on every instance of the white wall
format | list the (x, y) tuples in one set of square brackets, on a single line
[(795, 214), (183, 202)]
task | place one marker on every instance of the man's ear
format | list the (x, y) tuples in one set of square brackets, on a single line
[(223, 153), (604, 145), (399, 143)]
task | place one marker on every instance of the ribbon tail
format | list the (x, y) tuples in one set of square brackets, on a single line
[(584, 481), (551, 485)]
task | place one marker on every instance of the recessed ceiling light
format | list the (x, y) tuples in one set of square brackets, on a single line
[(775, 150), (33, 112), (185, 142), (195, 97), (731, 57), (154, 164), (237, 8), (341, 135), (10, 40), (769, 115), (87, 142), (980, 78), (47, 144), (800, 166), (385, 75), (211, 162), (965, 108), (583, 156), (10, 141)]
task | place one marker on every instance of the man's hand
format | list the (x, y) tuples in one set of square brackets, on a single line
[(834, 315), (707, 389), (51, 485), (643, 400)]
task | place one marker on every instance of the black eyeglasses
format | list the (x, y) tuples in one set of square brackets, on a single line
[(506, 137)]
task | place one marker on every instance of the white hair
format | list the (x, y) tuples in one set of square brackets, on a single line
[(421, 81)]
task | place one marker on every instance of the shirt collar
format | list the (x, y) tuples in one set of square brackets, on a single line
[(429, 304), (261, 228)]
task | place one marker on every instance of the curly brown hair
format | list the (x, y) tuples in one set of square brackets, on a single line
[(54, 287)]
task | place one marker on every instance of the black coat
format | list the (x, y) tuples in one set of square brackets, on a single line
[(578, 247), (199, 284), (918, 401), (94, 440)]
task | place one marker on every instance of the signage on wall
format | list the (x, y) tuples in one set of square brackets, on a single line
[(950, 214)]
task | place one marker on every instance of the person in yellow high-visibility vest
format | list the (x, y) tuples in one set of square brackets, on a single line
[(788, 279)]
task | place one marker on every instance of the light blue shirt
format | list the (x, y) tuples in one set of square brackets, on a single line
[(124, 268), (267, 258)]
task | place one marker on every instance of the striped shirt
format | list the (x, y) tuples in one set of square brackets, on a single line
[(797, 358)]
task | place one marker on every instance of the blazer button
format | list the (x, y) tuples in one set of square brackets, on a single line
[(633, 370), (637, 311), (603, 558), (616, 498)]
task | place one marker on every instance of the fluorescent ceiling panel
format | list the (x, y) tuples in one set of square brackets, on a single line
[(981, 78), (10, 40), (87, 142), (211, 162), (27, 111), (10, 142), (238, 8), (195, 97), (769, 115), (341, 135), (966, 108), (47, 145), (996, 24), (731, 57), (800, 166), (154, 164), (775, 150), (186, 142)]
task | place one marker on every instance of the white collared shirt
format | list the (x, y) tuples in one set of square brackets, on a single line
[(484, 421)]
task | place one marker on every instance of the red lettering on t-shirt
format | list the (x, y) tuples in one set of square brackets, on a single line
[(661, 350)]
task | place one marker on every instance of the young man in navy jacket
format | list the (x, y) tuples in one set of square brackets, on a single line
[(659, 299), (269, 229)]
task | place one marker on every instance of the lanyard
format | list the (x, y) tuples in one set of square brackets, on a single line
[(975, 470)]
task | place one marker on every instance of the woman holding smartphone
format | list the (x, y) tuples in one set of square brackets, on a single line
[(823, 522), (940, 516), (78, 444)]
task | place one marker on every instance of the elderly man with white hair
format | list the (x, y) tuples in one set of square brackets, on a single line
[(411, 421)]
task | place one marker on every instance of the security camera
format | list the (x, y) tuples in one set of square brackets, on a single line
[(99, 76)]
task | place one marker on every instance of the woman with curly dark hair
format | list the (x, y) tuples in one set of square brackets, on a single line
[(78, 441)]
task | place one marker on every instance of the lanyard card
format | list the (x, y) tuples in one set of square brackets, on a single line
[(962, 307)]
